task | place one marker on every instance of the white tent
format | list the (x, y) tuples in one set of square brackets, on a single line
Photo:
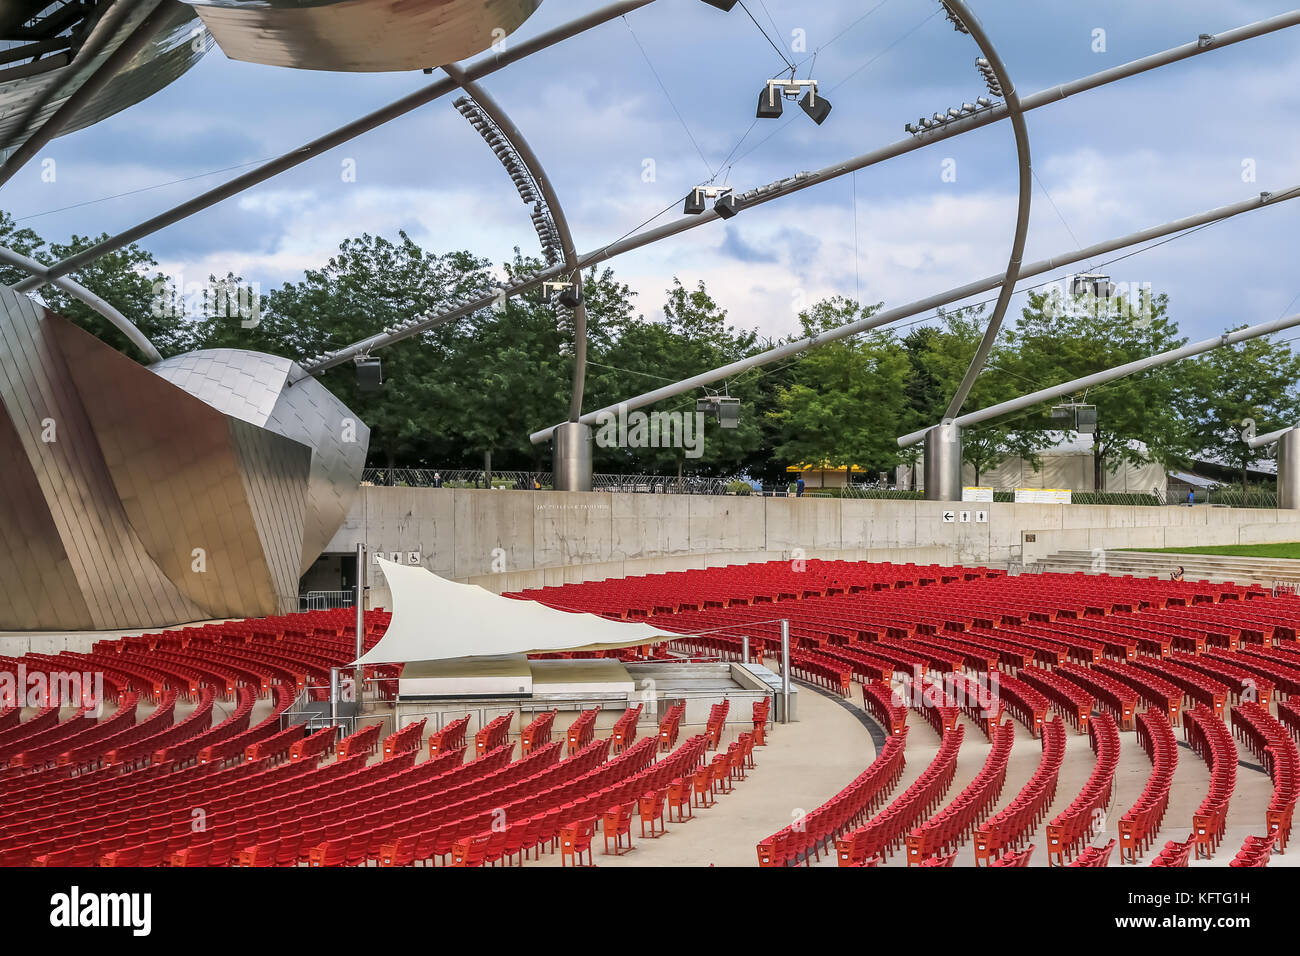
[(435, 619)]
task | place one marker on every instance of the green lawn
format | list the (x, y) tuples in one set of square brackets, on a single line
[(1289, 549)]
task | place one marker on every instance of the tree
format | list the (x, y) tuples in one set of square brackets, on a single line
[(846, 399), (1062, 338), (1238, 387), (372, 284), (939, 359), (129, 280), (21, 240)]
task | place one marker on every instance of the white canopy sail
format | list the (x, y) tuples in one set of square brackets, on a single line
[(435, 619)]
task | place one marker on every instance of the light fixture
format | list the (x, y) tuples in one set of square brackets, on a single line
[(770, 105), (570, 293), (370, 373), (695, 203), (723, 408), (954, 19), (990, 78), (1094, 283), (723, 5)]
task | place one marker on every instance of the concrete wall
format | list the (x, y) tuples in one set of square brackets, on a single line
[(509, 540)]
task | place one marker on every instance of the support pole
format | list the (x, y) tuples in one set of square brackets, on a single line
[(572, 457), (334, 696), (744, 649), (943, 462), (1288, 470), (359, 671), (785, 670)]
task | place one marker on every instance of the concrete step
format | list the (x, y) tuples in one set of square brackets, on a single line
[(1196, 567)]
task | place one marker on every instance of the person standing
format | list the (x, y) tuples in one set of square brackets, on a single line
[(437, 480), (798, 487)]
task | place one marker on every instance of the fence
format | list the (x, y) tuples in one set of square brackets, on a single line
[(325, 600)]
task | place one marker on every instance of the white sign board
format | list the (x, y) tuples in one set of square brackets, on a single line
[(977, 494), (964, 517), (981, 517), (1043, 496)]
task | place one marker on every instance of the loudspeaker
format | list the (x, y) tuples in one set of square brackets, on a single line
[(370, 375), (694, 203), (726, 206), (769, 104), (818, 110)]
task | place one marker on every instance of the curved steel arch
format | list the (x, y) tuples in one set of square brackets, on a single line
[(80, 292), (1016, 113), (568, 252)]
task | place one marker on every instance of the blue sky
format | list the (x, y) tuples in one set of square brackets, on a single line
[(1148, 149)]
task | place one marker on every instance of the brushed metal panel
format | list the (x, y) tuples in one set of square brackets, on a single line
[(171, 53), (360, 35), (183, 479), (305, 411), (118, 582)]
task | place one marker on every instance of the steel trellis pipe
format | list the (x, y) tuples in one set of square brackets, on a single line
[(567, 249), (80, 292), (932, 302), (343, 134), (757, 197), (91, 85), (1120, 371), (1016, 113)]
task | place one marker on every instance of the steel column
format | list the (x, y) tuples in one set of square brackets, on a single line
[(1288, 470), (943, 462)]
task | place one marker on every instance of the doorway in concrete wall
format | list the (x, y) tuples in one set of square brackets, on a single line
[(330, 582)]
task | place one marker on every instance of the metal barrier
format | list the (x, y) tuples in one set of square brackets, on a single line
[(325, 600)]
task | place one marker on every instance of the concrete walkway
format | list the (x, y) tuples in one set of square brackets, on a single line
[(804, 764)]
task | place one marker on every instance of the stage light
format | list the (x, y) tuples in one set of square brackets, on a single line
[(990, 79)]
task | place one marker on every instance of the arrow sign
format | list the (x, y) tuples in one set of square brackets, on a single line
[(949, 517)]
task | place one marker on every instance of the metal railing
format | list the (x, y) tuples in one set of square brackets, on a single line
[(325, 600)]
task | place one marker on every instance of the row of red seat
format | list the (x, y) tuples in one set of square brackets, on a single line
[(1212, 741), (624, 733), (1076, 824), (1095, 856), (948, 829), (820, 828), (884, 832), (1140, 823), (1068, 699), (1269, 741), (1009, 827), (536, 734), (452, 736)]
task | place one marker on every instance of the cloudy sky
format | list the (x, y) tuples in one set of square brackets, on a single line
[(673, 87)]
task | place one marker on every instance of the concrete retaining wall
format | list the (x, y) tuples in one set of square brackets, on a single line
[(509, 540)]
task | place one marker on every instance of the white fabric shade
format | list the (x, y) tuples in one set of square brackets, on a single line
[(435, 619)]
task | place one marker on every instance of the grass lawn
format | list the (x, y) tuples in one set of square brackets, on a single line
[(1289, 549)]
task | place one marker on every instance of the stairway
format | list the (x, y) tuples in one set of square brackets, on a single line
[(1196, 567)]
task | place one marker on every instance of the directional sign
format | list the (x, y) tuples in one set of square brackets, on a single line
[(949, 517), (981, 517), (965, 517)]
